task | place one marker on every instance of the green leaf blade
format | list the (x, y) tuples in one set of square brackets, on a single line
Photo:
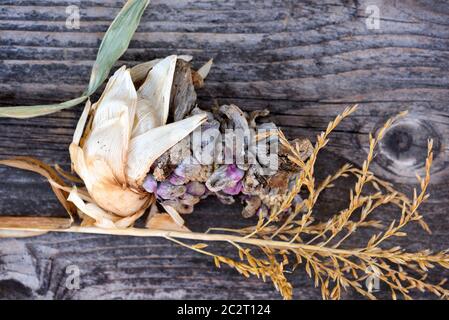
[(116, 41), (25, 112)]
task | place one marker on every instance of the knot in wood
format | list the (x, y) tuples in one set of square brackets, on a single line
[(403, 149)]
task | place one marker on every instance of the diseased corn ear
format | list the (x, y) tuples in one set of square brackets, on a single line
[(111, 127), (154, 97), (146, 148)]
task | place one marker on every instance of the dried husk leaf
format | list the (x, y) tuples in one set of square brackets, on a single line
[(111, 126), (101, 163), (102, 160), (34, 165), (205, 69), (163, 221), (185, 57), (79, 130), (199, 76), (104, 189), (140, 71), (118, 93), (173, 214), (129, 221), (154, 97), (102, 218)]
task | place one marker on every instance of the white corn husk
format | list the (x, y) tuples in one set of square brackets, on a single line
[(117, 140)]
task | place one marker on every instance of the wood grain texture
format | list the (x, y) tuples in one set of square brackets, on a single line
[(304, 60)]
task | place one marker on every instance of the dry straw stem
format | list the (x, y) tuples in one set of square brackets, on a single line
[(277, 245)]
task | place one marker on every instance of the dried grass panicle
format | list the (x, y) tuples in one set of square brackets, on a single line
[(334, 268)]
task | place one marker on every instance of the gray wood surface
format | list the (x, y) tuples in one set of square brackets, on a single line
[(304, 60)]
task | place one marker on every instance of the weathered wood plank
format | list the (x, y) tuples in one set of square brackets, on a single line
[(304, 60)]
